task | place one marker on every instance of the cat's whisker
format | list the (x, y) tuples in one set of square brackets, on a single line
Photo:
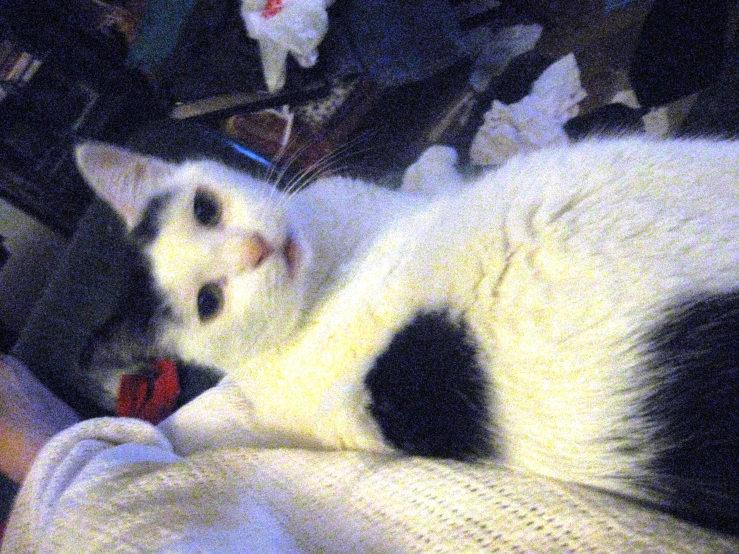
[(326, 165), (290, 157)]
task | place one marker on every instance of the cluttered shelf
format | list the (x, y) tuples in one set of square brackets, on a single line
[(378, 80), (63, 74)]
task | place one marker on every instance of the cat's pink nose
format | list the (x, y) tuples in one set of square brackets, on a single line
[(251, 251)]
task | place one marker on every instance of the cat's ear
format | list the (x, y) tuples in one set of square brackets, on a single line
[(123, 179)]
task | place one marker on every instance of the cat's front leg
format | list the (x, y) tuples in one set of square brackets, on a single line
[(434, 172), (220, 417)]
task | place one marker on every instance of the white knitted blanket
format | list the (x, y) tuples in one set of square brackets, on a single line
[(117, 485)]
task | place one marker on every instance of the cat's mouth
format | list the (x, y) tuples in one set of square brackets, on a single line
[(292, 254)]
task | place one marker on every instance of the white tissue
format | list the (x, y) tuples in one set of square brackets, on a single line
[(285, 27), (535, 121)]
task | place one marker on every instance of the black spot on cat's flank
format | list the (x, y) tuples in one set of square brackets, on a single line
[(695, 403), (429, 393), (147, 229)]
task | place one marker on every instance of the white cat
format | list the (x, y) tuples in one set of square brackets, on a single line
[(237, 262), (573, 313)]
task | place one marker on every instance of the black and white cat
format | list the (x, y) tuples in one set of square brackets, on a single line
[(574, 313)]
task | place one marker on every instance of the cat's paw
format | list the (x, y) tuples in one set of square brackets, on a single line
[(434, 172)]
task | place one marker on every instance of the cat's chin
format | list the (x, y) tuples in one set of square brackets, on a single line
[(226, 351)]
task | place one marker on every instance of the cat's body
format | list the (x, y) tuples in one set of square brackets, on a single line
[(574, 313)]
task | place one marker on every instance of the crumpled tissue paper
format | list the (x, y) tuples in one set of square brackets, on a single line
[(535, 121), (285, 27)]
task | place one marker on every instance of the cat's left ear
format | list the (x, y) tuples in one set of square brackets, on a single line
[(125, 180)]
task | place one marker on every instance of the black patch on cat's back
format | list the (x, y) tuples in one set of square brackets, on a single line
[(429, 392), (147, 230), (694, 358)]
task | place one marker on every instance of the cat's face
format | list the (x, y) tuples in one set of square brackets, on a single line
[(230, 266)]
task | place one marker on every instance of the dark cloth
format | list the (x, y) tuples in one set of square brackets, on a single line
[(680, 50), (392, 42)]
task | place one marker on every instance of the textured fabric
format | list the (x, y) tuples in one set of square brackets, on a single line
[(117, 485)]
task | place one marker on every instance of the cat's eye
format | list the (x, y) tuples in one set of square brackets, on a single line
[(206, 208), (210, 301)]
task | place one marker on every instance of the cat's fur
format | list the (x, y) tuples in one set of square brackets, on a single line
[(573, 313)]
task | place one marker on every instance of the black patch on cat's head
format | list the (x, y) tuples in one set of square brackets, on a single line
[(147, 229), (127, 337), (694, 363), (142, 307), (146, 304), (429, 392)]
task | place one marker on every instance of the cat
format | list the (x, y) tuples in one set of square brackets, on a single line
[(574, 313), (126, 344)]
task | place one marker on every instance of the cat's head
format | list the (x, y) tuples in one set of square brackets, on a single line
[(229, 265)]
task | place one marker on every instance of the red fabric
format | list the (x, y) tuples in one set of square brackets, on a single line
[(152, 396), (272, 8), (3, 524)]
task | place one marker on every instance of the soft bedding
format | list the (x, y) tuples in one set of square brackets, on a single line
[(119, 485)]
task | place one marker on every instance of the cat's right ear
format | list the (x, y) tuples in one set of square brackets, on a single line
[(123, 179)]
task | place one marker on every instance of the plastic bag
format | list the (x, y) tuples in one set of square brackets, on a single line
[(285, 27)]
